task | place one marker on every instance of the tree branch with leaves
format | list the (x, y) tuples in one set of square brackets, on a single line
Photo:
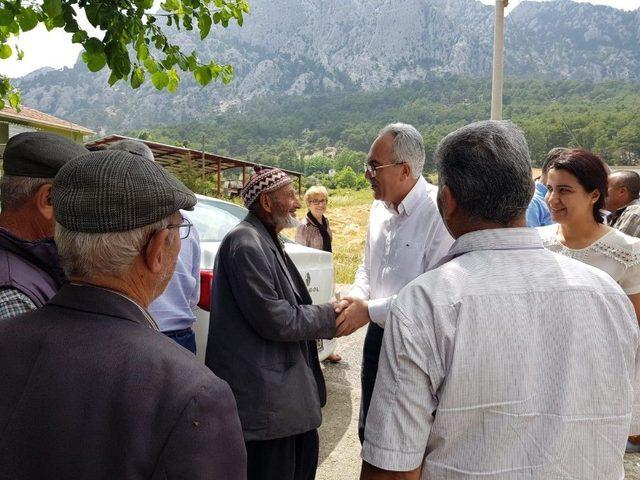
[(135, 47)]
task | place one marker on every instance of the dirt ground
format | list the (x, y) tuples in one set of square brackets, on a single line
[(339, 444)]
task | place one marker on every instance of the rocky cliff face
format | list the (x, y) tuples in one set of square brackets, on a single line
[(317, 46)]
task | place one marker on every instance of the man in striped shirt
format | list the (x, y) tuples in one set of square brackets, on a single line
[(623, 202), (507, 361)]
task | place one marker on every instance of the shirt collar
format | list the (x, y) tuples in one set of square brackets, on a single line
[(102, 301), (634, 202), (411, 200), (541, 189), (494, 239)]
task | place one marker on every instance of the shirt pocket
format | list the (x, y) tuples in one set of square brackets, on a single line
[(409, 259)]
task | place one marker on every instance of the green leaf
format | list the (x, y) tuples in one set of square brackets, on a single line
[(91, 11), (1, 104), (137, 77), (52, 8), (204, 24), (93, 45), (142, 51), (160, 80), (5, 51), (170, 5), (113, 78), (79, 37), (203, 75), (95, 61), (174, 81), (6, 16), (151, 65), (14, 101)]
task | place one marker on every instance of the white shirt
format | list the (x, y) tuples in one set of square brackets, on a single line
[(400, 246), (616, 253), (529, 360)]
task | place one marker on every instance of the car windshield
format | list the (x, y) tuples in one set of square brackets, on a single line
[(214, 219)]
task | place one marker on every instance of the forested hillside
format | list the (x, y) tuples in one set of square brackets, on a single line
[(334, 131)]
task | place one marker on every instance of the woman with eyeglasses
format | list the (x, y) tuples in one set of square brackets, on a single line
[(314, 230)]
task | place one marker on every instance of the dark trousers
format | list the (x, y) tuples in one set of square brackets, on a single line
[(370, 356), (289, 458), (186, 338)]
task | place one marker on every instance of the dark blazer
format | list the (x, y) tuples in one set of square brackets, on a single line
[(262, 335), (89, 390)]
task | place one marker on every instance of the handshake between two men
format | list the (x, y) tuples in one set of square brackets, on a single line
[(351, 314)]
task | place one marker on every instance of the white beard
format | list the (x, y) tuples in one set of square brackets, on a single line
[(286, 221)]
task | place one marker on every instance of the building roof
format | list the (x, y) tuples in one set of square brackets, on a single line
[(37, 118), (169, 155)]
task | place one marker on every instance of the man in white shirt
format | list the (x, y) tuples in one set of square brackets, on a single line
[(508, 361), (405, 238)]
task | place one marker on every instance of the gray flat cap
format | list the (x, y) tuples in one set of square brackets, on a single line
[(114, 191), (39, 154)]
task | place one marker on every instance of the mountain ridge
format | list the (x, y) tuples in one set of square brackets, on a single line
[(313, 47)]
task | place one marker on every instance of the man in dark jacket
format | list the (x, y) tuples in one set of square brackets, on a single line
[(30, 272), (262, 335), (90, 388)]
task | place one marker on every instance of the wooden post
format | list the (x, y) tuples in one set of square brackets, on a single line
[(498, 61), (204, 172), (219, 172), (244, 175), (299, 185)]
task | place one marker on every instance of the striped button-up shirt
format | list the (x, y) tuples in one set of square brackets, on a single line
[(627, 219), (506, 362)]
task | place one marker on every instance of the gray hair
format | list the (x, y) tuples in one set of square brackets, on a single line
[(90, 255), (629, 180), (408, 146), (133, 146), (15, 191), (488, 169)]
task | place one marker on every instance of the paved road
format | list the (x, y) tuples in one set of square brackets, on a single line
[(339, 444)]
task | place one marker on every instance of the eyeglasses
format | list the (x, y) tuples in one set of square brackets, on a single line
[(372, 170), (184, 228), (318, 202)]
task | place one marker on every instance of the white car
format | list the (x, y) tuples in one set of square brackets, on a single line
[(213, 219)]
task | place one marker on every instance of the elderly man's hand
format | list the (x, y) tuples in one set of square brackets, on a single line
[(354, 316)]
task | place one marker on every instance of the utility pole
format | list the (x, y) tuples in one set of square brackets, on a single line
[(498, 61)]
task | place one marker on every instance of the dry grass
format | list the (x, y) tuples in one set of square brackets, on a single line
[(348, 215)]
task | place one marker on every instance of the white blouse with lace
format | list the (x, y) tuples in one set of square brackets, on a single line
[(615, 253)]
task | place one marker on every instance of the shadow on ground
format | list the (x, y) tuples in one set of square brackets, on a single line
[(336, 420)]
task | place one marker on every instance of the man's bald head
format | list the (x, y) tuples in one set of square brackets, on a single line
[(624, 187)]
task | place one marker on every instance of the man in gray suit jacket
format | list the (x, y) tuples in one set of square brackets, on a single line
[(90, 388), (262, 335)]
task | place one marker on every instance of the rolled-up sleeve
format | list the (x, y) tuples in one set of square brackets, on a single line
[(401, 412)]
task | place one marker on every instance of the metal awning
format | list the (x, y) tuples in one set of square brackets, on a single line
[(207, 163)]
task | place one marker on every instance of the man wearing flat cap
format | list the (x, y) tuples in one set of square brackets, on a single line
[(30, 271), (262, 335), (90, 388)]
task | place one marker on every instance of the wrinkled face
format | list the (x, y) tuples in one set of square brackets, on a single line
[(172, 249), (387, 180), (283, 208), (617, 195), (318, 205), (568, 201)]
